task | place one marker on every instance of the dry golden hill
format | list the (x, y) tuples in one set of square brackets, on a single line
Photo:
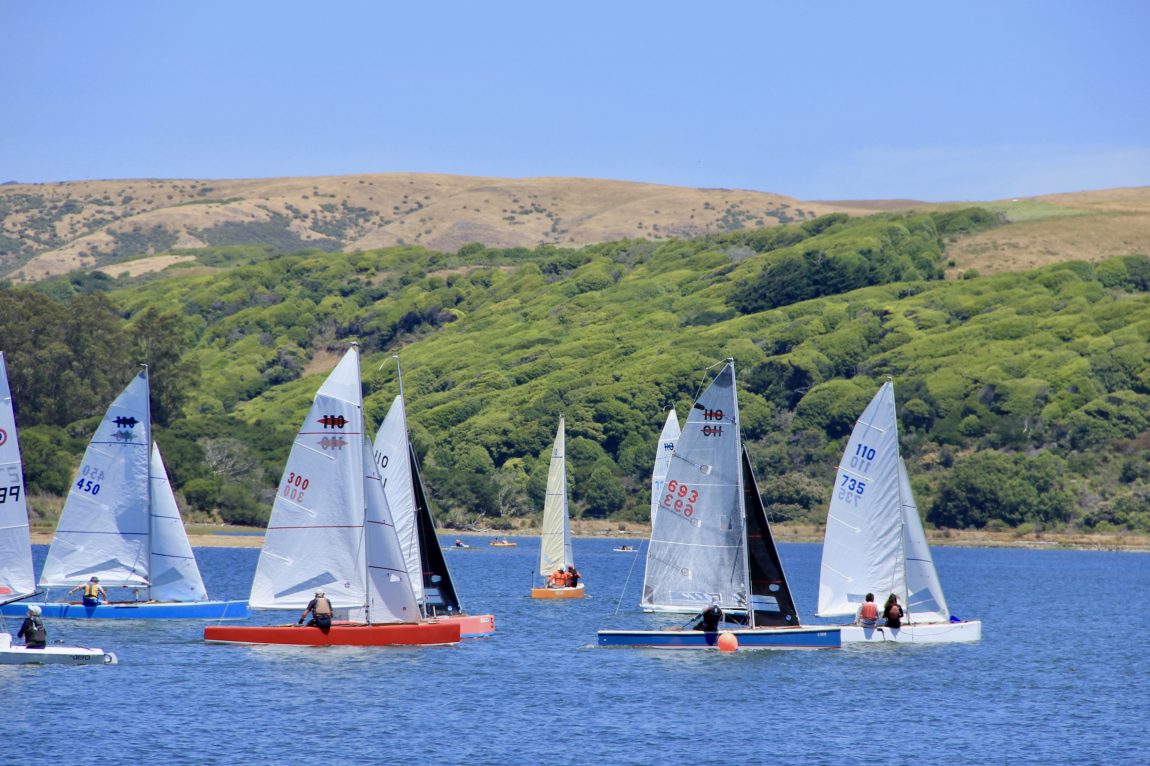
[(54, 228), (48, 229)]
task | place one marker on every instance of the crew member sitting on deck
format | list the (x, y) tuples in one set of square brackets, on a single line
[(92, 591), (32, 630), (557, 579), (868, 613), (572, 576), (321, 611)]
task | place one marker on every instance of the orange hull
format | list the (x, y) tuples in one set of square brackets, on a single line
[(471, 625), (576, 592), (337, 635)]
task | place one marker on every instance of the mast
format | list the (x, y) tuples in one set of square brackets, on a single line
[(148, 447), (740, 494), (905, 589)]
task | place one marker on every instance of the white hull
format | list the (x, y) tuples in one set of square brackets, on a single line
[(52, 655), (917, 633)]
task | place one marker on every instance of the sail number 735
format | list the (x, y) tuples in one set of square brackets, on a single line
[(680, 498), (851, 489)]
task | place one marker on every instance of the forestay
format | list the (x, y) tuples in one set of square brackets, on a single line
[(696, 555), (555, 549), (16, 577), (103, 528)]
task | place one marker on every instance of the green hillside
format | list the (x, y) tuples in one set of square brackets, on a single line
[(1023, 398)]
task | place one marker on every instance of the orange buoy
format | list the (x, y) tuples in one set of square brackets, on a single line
[(728, 642)]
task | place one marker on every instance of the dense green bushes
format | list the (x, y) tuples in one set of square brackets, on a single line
[(1022, 377)]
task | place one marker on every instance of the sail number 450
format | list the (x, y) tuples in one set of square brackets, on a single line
[(89, 481), (294, 486), (680, 498)]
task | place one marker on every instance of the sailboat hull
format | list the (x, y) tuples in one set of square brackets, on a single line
[(470, 625), (405, 634), (52, 654), (916, 633), (749, 638), (576, 592), (135, 610)]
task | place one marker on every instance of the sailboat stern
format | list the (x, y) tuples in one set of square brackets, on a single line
[(345, 634)]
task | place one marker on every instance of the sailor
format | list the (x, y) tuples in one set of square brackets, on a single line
[(32, 629), (321, 611), (557, 579), (710, 618), (868, 613), (92, 591), (572, 576), (892, 612)]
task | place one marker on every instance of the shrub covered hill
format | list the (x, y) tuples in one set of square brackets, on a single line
[(1023, 397)]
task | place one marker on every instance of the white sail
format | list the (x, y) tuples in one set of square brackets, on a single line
[(329, 524), (697, 554), (663, 454), (924, 601), (863, 550), (104, 528), (394, 465), (555, 549), (390, 597), (16, 577), (173, 573)]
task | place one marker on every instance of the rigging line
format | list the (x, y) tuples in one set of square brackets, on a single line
[(634, 560)]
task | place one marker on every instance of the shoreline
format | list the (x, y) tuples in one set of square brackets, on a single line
[(241, 537)]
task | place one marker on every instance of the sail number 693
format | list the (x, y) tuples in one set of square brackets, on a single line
[(680, 498)]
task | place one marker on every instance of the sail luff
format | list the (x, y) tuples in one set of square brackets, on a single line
[(393, 460), (16, 574)]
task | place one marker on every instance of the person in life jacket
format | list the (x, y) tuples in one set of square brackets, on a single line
[(572, 576), (321, 611), (892, 612), (92, 591), (868, 613), (557, 579), (32, 630)]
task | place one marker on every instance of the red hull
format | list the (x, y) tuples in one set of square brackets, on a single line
[(470, 625), (337, 635)]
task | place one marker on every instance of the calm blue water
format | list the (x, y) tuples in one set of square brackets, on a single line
[(1059, 677)]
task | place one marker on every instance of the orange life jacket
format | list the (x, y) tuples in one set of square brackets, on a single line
[(869, 611)]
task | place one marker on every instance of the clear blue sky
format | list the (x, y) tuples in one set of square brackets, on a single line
[(963, 100)]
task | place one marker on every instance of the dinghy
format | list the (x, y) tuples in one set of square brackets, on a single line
[(875, 543), (16, 579), (121, 524), (331, 529), (555, 547), (712, 544), (410, 511)]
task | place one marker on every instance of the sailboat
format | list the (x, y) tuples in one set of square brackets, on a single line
[(712, 544), (121, 524), (407, 498), (875, 542), (663, 453), (16, 579), (555, 546), (331, 529)]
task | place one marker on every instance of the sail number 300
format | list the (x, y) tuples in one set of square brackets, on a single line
[(680, 498), (294, 486)]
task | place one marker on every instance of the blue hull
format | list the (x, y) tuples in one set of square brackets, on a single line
[(749, 638), (191, 610)]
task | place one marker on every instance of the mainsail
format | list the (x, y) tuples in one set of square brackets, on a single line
[(16, 577), (555, 550), (104, 528), (330, 528), (697, 554), (874, 539)]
